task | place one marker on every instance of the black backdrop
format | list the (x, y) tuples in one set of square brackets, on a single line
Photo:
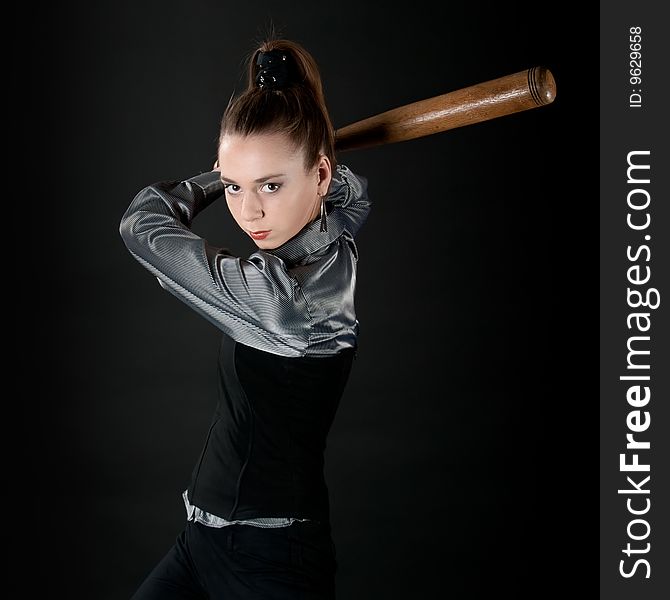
[(463, 459)]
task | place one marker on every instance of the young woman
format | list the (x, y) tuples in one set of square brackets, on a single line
[(257, 503)]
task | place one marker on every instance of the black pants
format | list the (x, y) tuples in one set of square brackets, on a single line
[(243, 562)]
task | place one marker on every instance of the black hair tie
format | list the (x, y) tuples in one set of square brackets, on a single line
[(275, 72)]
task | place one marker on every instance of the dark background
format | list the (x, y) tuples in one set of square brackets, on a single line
[(463, 459)]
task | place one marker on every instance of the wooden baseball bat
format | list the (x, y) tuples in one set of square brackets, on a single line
[(489, 100)]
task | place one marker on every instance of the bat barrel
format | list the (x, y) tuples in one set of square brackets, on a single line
[(521, 91), (541, 85)]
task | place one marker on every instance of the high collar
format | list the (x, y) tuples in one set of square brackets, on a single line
[(309, 240)]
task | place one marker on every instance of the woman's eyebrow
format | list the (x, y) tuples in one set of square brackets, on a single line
[(259, 180)]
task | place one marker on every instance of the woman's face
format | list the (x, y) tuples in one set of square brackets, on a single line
[(267, 188)]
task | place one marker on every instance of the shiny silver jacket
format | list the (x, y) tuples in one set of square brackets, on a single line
[(295, 300)]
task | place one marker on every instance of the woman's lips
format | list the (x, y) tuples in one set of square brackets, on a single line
[(260, 235)]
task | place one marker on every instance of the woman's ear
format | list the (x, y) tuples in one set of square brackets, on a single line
[(324, 173)]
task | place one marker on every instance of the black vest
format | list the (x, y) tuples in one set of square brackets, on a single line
[(264, 453)]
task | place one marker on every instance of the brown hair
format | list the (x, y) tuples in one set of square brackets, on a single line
[(298, 109)]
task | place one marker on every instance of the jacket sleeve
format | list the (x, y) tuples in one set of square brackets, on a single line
[(249, 299), (349, 196)]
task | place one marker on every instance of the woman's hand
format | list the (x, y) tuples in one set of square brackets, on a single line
[(216, 166)]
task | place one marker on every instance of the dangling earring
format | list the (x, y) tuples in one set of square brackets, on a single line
[(324, 223)]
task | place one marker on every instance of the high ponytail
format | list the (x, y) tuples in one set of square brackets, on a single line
[(296, 109)]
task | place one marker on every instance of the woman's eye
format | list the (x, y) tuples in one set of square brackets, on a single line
[(228, 187), (275, 186)]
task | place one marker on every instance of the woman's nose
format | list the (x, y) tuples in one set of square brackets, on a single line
[(251, 207)]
